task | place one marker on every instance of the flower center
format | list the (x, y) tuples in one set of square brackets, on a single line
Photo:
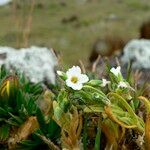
[(74, 79)]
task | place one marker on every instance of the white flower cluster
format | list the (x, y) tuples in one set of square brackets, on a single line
[(139, 52), (117, 72), (75, 79), (37, 63)]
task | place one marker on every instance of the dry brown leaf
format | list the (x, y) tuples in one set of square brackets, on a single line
[(71, 130), (23, 132)]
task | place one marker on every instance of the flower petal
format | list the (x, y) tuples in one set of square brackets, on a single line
[(104, 82), (83, 78), (74, 86), (75, 70), (69, 83), (116, 71), (77, 86), (122, 84)]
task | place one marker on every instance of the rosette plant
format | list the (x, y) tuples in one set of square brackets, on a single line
[(24, 122)]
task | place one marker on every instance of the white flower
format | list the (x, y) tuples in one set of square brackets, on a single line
[(116, 71), (123, 84), (104, 82), (75, 79)]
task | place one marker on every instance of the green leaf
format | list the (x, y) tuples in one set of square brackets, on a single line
[(34, 143), (16, 119), (29, 144), (132, 105), (97, 139), (94, 108), (53, 131), (4, 132), (129, 73), (41, 120), (36, 88), (3, 72), (19, 100), (12, 122), (64, 105), (2, 111), (58, 112), (31, 107), (61, 96)]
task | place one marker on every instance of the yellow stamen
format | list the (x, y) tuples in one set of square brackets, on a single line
[(74, 79)]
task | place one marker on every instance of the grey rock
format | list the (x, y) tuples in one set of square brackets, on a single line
[(37, 63), (137, 51)]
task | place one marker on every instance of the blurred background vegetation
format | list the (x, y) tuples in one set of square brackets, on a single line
[(70, 26)]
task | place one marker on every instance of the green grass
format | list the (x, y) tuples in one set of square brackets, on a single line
[(74, 40)]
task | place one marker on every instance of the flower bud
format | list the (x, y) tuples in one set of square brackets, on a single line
[(62, 75)]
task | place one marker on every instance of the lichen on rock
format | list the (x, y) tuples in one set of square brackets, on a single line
[(37, 63), (137, 51)]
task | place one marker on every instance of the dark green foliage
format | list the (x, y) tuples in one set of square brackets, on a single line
[(49, 130), (4, 132), (97, 139), (16, 109)]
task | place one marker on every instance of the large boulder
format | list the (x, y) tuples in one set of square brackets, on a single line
[(137, 51), (35, 62)]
